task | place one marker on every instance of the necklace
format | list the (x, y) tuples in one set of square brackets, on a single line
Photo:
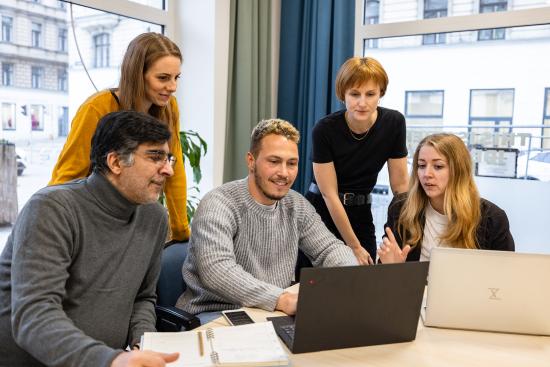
[(356, 136)]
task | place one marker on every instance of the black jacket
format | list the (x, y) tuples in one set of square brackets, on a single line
[(493, 232)]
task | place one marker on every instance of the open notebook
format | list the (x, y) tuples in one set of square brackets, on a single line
[(246, 345)]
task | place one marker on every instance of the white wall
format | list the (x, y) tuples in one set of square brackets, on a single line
[(203, 36), (527, 204)]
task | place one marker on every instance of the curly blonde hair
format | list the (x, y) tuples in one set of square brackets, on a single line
[(272, 126)]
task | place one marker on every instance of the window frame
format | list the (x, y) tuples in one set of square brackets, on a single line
[(439, 38), (14, 115), (62, 80), (166, 18), (492, 6), (102, 51), (62, 40), (501, 19), (7, 66), (7, 28), (410, 92), (36, 35), (40, 126), (497, 119), (37, 77)]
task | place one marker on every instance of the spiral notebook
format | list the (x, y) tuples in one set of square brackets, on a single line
[(246, 345)]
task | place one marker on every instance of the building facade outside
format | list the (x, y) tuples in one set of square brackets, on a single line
[(34, 62), (46, 75), (497, 78)]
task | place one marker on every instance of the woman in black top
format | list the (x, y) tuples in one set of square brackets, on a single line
[(350, 147)]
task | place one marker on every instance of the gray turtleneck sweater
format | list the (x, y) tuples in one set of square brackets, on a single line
[(242, 253), (78, 276)]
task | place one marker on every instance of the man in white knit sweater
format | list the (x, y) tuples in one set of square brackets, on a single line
[(246, 233)]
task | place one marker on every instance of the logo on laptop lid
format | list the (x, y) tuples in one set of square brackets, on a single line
[(494, 295)]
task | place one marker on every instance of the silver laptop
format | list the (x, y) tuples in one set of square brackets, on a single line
[(489, 290)]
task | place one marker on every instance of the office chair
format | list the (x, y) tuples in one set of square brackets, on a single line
[(169, 287)]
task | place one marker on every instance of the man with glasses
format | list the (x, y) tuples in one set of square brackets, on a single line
[(79, 270)]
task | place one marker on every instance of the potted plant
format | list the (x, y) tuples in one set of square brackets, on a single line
[(194, 147)]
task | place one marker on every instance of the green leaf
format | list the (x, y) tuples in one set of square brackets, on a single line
[(193, 147)]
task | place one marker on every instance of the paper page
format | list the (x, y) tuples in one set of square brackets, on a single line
[(185, 342), (254, 344)]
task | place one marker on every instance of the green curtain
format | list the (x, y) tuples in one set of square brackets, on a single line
[(249, 87)]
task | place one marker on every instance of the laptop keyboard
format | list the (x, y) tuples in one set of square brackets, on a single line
[(288, 330)]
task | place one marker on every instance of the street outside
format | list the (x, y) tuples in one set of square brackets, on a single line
[(40, 159)]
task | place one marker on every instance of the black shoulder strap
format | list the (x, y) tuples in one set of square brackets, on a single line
[(114, 96)]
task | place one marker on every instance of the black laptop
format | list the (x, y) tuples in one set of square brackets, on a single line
[(354, 306)]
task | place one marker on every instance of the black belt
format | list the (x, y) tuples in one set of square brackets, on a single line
[(347, 198)]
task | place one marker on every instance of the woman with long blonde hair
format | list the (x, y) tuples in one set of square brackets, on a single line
[(148, 80), (442, 207)]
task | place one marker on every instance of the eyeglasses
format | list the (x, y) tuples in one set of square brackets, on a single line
[(160, 157)]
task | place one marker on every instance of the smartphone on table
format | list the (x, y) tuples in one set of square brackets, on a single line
[(237, 317)]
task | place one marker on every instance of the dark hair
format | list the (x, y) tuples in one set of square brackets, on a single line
[(122, 132)]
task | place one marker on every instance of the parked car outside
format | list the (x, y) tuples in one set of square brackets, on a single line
[(21, 158)]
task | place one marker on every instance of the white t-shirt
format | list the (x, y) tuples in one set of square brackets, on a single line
[(435, 226)]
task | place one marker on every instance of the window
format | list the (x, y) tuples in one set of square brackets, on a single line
[(489, 6), (8, 116), (372, 16), (62, 39), (61, 4), (434, 9), (546, 121), (101, 50), (491, 107), (62, 80), (37, 117), (7, 74), (36, 34), (37, 74), (424, 104), (63, 121), (7, 27)]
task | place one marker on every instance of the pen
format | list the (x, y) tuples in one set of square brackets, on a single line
[(201, 346)]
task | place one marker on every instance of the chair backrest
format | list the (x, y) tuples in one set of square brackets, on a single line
[(171, 284)]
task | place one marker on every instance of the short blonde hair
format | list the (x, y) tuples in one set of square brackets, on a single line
[(358, 71), (272, 126)]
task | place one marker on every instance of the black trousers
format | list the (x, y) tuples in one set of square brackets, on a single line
[(361, 221)]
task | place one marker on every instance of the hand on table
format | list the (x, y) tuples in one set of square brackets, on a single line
[(287, 303), (146, 358)]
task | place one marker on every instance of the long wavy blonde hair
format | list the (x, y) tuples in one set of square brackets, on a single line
[(461, 201)]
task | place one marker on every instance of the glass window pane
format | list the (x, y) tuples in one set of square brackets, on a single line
[(372, 12), (483, 93), (424, 103), (400, 11), (492, 103), (8, 116), (52, 79), (435, 4), (37, 117)]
